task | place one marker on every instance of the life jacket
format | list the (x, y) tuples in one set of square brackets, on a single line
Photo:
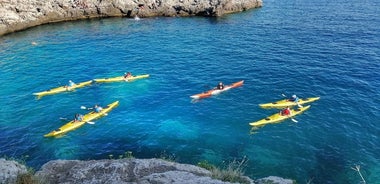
[(220, 86), (286, 112)]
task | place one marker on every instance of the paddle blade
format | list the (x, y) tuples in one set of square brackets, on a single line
[(295, 121), (83, 107), (90, 122), (283, 95)]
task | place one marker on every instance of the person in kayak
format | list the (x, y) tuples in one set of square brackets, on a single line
[(127, 75), (78, 117), (285, 112), (71, 84), (97, 108), (294, 98), (220, 86)]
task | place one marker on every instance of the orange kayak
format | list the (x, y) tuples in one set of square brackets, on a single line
[(217, 91)]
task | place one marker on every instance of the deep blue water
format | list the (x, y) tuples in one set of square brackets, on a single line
[(310, 48)]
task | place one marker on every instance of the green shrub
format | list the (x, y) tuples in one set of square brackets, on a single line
[(233, 172), (204, 164), (26, 178), (128, 154)]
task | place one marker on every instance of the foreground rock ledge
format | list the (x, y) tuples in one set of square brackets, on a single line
[(123, 171), (131, 171), (16, 15)]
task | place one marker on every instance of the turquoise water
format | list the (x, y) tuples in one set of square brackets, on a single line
[(309, 48)]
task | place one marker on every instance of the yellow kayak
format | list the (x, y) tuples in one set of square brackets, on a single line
[(276, 118), (62, 89), (86, 118), (121, 78), (284, 103)]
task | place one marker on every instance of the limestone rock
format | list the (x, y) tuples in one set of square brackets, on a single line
[(123, 171), (9, 170), (131, 171), (274, 180)]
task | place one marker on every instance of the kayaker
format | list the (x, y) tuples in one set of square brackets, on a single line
[(97, 108), (220, 86), (78, 117), (285, 112), (294, 98), (69, 85), (127, 75)]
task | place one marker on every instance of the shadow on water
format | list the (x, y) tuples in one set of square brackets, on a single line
[(330, 165)]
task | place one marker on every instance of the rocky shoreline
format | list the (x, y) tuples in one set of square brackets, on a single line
[(17, 15), (128, 170)]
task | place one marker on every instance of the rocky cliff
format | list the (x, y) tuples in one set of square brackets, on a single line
[(16, 15), (123, 171), (131, 171)]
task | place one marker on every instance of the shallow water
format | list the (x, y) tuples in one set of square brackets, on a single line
[(309, 48)]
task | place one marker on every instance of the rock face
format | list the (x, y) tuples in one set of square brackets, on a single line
[(274, 180), (131, 171), (127, 171), (17, 15), (9, 170)]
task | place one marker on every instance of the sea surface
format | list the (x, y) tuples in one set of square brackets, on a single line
[(329, 49)]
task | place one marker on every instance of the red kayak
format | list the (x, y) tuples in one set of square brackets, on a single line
[(217, 91)]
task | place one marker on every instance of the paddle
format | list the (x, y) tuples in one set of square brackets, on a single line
[(90, 108), (299, 105), (295, 121), (89, 122), (85, 108)]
